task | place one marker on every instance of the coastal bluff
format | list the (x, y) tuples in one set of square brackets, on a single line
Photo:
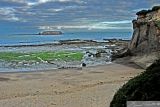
[(146, 32), (50, 33), (144, 47)]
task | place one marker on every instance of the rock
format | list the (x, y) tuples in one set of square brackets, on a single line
[(98, 54), (50, 33), (122, 54), (146, 35), (83, 65)]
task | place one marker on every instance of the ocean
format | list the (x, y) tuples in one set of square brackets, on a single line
[(43, 39)]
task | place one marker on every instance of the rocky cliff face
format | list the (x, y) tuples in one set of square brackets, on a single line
[(146, 35)]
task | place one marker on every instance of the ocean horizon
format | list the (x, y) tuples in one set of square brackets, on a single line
[(24, 39)]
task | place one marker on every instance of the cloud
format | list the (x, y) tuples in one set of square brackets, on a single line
[(92, 26), (73, 14), (17, 1), (118, 22), (8, 14), (56, 10), (46, 1), (38, 2)]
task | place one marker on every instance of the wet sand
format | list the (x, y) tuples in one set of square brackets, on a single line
[(86, 87)]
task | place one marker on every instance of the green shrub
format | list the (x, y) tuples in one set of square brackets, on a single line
[(142, 12), (155, 8), (145, 87), (157, 23)]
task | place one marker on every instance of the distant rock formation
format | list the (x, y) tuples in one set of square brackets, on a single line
[(146, 35), (50, 33)]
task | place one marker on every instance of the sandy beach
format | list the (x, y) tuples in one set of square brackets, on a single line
[(86, 87)]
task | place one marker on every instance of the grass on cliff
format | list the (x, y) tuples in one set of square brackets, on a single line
[(145, 87), (41, 56), (158, 23)]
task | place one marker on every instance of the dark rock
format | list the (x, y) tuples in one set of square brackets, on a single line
[(83, 65), (122, 54), (98, 54), (50, 33)]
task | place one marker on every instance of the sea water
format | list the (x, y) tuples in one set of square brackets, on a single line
[(25, 39)]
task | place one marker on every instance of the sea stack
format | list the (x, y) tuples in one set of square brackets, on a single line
[(50, 33)]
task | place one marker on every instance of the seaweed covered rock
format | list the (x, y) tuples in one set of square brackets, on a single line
[(145, 87)]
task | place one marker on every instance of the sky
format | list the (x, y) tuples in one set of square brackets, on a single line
[(30, 16)]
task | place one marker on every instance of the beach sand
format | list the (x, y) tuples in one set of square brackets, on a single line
[(86, 87)]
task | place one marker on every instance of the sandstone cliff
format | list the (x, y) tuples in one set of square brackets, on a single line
[(146, 35)]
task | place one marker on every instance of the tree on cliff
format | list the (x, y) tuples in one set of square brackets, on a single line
[(155, 8), (142, 12)]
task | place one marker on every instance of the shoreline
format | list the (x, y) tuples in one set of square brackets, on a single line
[(61, 42), (54, 69)]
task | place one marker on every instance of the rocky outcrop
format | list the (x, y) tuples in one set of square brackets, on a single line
[(146, 35), (50, 33)]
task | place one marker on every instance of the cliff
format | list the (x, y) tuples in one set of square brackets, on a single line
[(146, 35)]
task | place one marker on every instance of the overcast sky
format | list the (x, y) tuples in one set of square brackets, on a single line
[(18, 16)]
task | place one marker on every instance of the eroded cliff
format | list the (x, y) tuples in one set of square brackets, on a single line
[(146, 35)]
